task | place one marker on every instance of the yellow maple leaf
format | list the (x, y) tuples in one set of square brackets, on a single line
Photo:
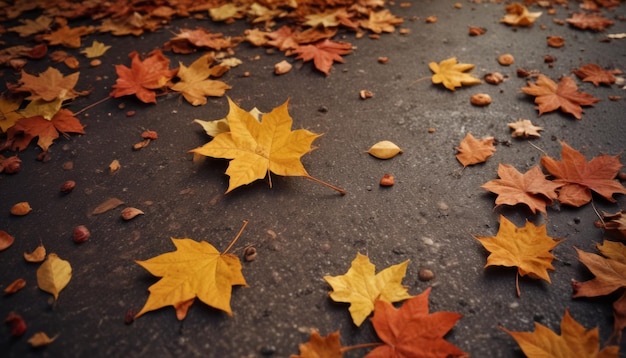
[(96, 49), (194, 83), (53, 275), (527, 248), (8, 112), (451, 73), (361, 287), (260, 147), (195, 269), (42, 108), (381, 21), (575, 341)]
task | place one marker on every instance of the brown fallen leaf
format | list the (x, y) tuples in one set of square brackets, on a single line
[(6, 240), (15, 286), (531, 188), (524, 128), (595, 22), (615, 224), (595, 74), (518, 15), (107, 205), (41, 339), (473, 151), (610, 276), (549, 96), (580, 177), (38, 255)]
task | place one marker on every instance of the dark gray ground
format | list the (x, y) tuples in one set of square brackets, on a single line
[(428, 217)]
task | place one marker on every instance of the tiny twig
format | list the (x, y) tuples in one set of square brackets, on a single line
[(539, 149), (519, 293), (341, 191), (419, 80), (243, 227), (359, 346), (92, 105), (598, 214)]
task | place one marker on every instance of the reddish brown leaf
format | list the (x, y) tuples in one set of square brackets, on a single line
[(323, 53), (579, 177), (318, 346), (143, 77), (474, 151), (595, 74), (412, 331), (593, 22), (615, 224), (26, 129), (530, 188), (549, 96)]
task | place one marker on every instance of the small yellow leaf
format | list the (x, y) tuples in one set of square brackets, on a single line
[(452, 74), (40, 339), (53, 275), (384, 150), (38, 255), (96, 49)]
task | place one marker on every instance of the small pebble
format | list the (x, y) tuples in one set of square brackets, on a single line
[(425, 275)]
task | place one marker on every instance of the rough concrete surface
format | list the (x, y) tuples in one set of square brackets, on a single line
[(302, 230)]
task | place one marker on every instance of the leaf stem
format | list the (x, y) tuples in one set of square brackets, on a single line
[(233, 241), (341, 191), (420, 80), (359, 346), (519, 293), (92, 105)]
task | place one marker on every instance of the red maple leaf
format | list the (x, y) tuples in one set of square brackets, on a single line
[(26, 129), (412, 331), (323, 53), (565, 95), (143, 77), (579, 177)]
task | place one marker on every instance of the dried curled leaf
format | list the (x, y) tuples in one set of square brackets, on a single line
[(40, 339), (130, 213), (38, 255), (107, 205), (384, 150), (15, 286), (6, 240)]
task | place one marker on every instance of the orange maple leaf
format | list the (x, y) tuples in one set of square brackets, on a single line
[(474, 151), (143, 77), (318, 346), (527, 248), (549, 96), (323, 53), (595, 74), (283, 39), (198, 38), (412, 331), (579, 177), (195, 84), (593, 22), (25, 129), (610, 276), (49, 85), (195, 269), (575, 341), (530, 188), (68, 37)]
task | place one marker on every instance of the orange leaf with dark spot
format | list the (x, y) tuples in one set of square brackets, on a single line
[(579, 177), (549, 96), (411, 331), (143, 77)]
